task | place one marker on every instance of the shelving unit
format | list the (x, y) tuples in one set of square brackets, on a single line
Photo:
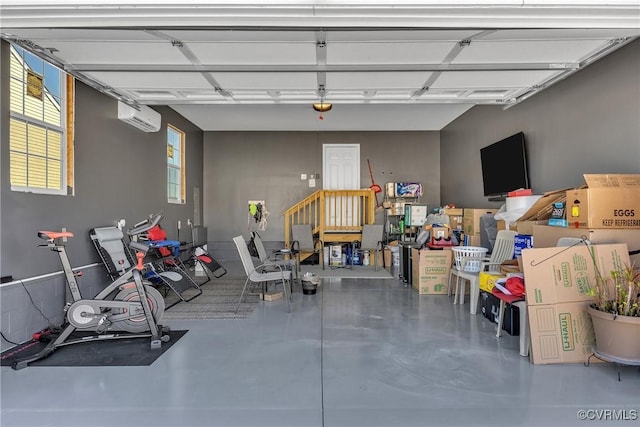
[(395, 215)]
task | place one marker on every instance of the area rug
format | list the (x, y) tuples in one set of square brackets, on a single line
[(219, 300), (119, 352), (358, 272)]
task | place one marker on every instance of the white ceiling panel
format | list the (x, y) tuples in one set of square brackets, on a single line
[(553, 51), (222, 35), (120, 52), (491, 79), (381, 80), (387, 53), (240, 65), (562, 33), (80, 34), (416, 35), (266, 80), (257, 53), (143, 80)]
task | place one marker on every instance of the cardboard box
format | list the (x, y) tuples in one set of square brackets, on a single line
[(522, 227), (545, 236), (471, 220), (560, 333), (455, 217), (430, 270), (610, 201), (408, 189), (567, 274), (501, 224), (511, 266), (558, 283), (542, 209), (471, 240), (335, 255), (272, 295), (440, 236), (387, 257), (488, 280)]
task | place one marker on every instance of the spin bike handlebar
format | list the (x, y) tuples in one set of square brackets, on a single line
[(145, 225)]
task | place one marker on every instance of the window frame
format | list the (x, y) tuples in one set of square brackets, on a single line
[(181, 168), (65, 129)]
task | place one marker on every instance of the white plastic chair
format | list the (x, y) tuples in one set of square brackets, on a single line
[(259, 275), (469, 264)]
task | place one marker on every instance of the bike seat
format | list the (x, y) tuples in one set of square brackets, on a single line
[(52, 235)]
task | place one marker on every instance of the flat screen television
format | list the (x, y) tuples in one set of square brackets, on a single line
[(504, 166)]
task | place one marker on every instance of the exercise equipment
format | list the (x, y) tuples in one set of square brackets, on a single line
[(127, 304)]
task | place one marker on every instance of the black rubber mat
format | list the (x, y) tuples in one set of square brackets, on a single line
[(119, 352)]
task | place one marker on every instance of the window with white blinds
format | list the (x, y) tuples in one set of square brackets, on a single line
[(40, 144), (175, 165)]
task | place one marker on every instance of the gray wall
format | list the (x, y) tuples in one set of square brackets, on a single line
[(242, 166), (119, 173), (588, 123)]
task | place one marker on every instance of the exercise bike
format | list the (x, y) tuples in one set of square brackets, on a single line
[(128, 304)]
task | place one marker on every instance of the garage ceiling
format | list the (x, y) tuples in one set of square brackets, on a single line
[(238, 65)]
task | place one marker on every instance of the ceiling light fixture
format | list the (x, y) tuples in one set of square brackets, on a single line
[(322, 107)]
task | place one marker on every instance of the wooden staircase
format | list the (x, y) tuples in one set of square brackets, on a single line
[(335, 215)]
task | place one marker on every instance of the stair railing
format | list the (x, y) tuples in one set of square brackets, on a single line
[(335, 215)]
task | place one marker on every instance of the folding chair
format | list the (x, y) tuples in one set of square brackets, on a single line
[(198, 254), (257, 274), (271, 262), (117, 259), (372, 236), (303, 241)]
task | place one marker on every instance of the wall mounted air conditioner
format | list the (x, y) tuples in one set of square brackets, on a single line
[(144, 119)]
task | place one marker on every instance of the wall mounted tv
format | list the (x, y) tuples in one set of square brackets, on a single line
[(504, 166)]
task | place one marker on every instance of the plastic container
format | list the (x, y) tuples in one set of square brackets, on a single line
[(469, 257)]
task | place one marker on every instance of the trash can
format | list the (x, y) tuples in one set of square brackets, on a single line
[(310, 284)]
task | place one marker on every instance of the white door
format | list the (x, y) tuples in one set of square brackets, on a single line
[(341, 166), (341, 171)]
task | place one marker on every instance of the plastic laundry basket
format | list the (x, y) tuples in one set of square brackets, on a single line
[(469, 257)]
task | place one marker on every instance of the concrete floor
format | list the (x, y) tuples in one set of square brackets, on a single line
[(361, 352)]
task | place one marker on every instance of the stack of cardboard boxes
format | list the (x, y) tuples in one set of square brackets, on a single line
[(558, 291), (558, 280), (607, 210)]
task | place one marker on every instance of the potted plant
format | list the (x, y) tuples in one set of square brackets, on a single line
[(615, 314)]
